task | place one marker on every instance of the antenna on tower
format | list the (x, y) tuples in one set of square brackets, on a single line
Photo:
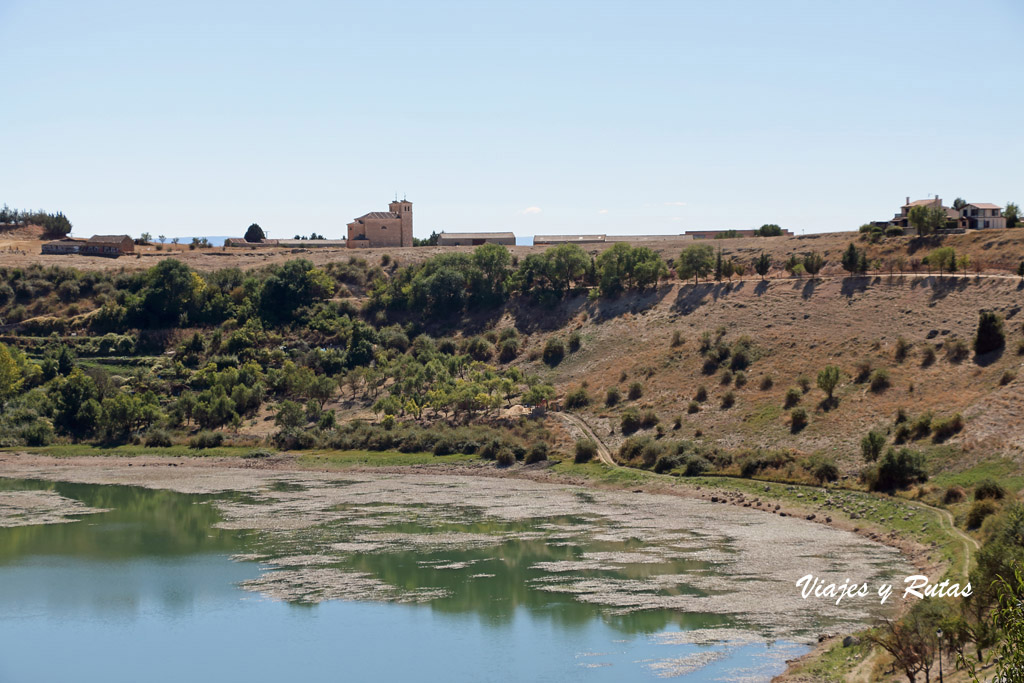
[(403, 196), (396, 196)]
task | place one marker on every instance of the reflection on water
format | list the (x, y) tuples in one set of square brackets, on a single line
[(152, 578)]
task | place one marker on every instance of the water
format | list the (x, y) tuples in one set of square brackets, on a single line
[(148, 590)]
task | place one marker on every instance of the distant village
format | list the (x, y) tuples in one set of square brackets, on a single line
[(393, 228)]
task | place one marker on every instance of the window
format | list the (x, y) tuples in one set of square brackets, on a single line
[(986, 224)]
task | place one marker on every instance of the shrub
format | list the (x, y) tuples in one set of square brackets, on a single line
[(206, 439), (797, 420), (701, 395), (921, 427), (766, 383), (677, 339), (695, 466), (1007, 377), (677, 422), (574, 342), (444, 446), (989, 489), (898, 470), (990, 336), (804, 383), (980, 509), (902, 433), (880, 380), (666, 463), (554, 352), (1020, 347), (693, 407), (577, 398), (636, 390), (726, 378), (37, 433), (648, 419), (740, 380), (505, 457), (259, 453), (586, 450), (825, 470), (902, 349), (709, 367), (871, 445), (158, 438), (612, 397), (509, 350), (538, 452), (953, 494), (927, 355), (793, 396), (728, 400), (943, 429), (956, 350), (630, 421), (863, 371), (480, 349)]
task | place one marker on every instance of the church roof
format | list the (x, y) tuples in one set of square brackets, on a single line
[(379, 214)]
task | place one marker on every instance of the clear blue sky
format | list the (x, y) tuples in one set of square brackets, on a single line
[(193, 118)]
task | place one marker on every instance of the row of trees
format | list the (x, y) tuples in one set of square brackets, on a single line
[(54, 224)]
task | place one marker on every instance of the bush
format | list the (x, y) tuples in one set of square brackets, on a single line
[(554, 352), (37, 433), (693, 407), (943, 429), (701, 395), (902, 349), (677, 422), (158, 438), (695, 466), (825, 470), (990, 336), (1007, 377), (989, 489), (980, 509), (480, 349), (797, 420), (804, 383), (505, 457), (956, 350), (863, 371), (577, 398), (728, 400), (740, 379), (927, 355), (538, 452), (898, 470), (766, 383), (445, 446), (953, 494), (677, 339), (921, 427), (648, 419), (259, 453), (871, 445), (636, 390), (206, 439), (726, 378), (793, 396), (612, 397), (574, 342), (586, 450), (630, 421), (509, 350), (880, 380)]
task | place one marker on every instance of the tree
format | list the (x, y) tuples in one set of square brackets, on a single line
[(718, 266), (828, 380), (959, 203), (1012, 214), (854, 260), (145, 238), (567, 263), (990, 336), (943, 258), (696, 260), (762, 264), (871, 445), (10, 375), (289, 415), (813, 262), (769, 230), (927, 219), (255, 233)]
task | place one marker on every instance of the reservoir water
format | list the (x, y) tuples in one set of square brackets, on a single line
[(401, 578)]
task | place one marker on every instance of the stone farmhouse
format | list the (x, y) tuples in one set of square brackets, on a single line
[(391, 228), (110, 246)]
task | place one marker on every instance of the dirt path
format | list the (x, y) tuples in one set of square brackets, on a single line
[(603, 454), (947, 523)]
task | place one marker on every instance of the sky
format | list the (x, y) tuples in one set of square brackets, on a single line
[(198, 118)]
